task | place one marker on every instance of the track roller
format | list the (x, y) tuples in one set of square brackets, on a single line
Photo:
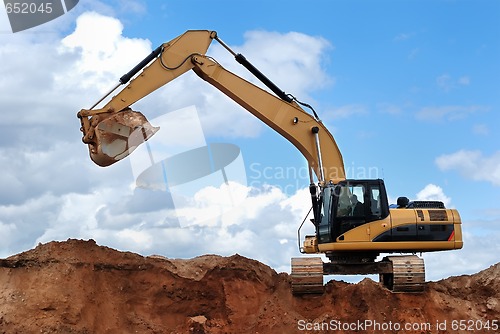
[(307, 275)]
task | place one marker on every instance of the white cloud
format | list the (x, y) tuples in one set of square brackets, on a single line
[(480, 248), (45, 166), (262, 227), (472, 165), (478, 253), (432, 192), (40, 142), (104, 59), (345, 111), (413, 53), (447, 83), (389, 108), (134, 6), (215, 206), (403, 37), (481, 129), (444, 82), (448, 113), (298, 68), (4, 22), (464, 80)]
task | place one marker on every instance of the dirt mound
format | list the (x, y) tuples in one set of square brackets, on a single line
[(79, 287)]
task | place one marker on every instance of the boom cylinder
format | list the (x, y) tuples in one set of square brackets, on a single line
[(265, 80)]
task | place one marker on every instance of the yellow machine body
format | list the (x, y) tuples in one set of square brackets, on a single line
[(404, 230)]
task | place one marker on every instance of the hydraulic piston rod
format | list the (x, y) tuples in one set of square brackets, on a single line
[(315, 131)]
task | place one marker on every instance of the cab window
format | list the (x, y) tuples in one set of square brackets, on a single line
[(351, 201)]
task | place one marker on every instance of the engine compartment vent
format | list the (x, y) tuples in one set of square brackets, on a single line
[(426, 205)]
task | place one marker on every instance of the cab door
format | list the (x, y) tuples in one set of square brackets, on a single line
[(357, 203)]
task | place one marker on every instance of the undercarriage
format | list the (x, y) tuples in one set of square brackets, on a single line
[(397, 273)]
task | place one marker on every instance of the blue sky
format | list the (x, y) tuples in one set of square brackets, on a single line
[(409, 89)]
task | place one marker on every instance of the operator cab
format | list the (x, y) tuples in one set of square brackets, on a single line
[(349, 204)]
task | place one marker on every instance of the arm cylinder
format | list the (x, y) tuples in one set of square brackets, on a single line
[(126, 77)]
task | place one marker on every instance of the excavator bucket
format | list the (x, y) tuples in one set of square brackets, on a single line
[(119, 135)]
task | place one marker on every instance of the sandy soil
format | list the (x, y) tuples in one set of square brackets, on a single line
[(79, 287)]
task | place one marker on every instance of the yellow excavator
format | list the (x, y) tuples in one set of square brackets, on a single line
[(353, 220)]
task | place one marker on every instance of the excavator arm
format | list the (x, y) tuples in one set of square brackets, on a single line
[(114, 131)]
